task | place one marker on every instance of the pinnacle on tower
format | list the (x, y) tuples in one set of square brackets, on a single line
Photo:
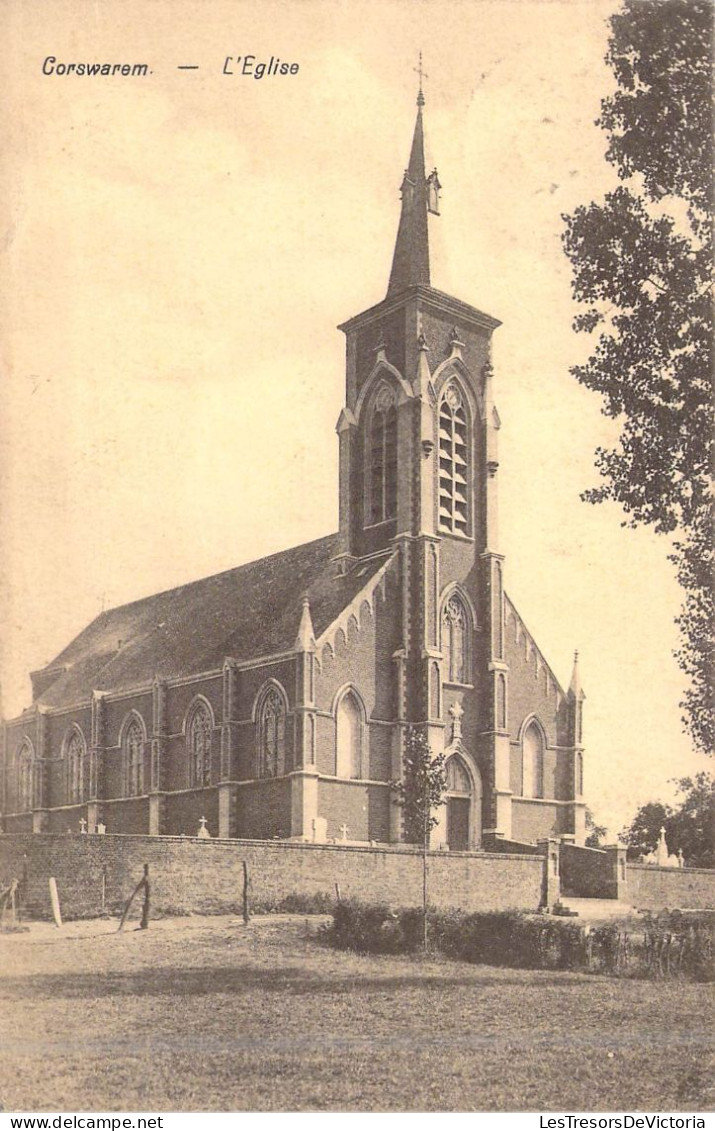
[(305, 640), (575, 689)]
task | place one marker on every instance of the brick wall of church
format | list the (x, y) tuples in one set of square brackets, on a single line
[(189, 875), (365, 809), (263, 809), (533, 692), (66, 819), (534, 820), (180, 697), (116, 711), (130, 814), (19, 823), (527, 692), (361, 656), (183, 811)]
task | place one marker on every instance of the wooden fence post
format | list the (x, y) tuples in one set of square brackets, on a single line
[(246, 911)]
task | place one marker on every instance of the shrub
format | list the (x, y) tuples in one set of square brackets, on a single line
[(504, 938), (673, 944), (296, 903), (509, 938), (375, 928), (678, 942)]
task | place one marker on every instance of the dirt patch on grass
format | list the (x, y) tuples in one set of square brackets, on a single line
[(206, 1014)]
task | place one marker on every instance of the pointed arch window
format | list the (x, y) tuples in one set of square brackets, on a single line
[(348, 737), (382, 458), (75, 759), (453, 463), (198, 741), (533, 761), (272, 735), (134, 758), (25, 778), (455, 641)]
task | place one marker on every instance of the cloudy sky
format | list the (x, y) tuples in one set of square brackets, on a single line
[(179, 249)]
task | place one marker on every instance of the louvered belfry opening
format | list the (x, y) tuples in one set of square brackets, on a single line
[(383, 459), (453, 466)]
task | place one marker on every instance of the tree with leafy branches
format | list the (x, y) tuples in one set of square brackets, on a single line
[(641, 263), (419, 794), (689, 827), (595, 834), (421, 791)]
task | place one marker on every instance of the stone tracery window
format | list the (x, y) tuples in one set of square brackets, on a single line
[(25, 778), (198, 740), (382, 458), (455, 641), (272, 735), (75, 757), (453, 463), (134, 758)]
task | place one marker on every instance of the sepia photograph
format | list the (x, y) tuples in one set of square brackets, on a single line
[(356, 662)]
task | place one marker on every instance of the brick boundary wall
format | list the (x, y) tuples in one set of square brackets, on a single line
[(653, 889), (189, 875), (585, 872)]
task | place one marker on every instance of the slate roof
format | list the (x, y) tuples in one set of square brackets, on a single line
[(247, 612)]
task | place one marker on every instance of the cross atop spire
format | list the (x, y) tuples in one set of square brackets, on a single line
[(423, 75)]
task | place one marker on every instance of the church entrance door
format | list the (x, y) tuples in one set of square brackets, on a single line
[(458, 823)]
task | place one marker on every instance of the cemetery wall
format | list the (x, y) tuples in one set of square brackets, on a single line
[(652, 889), (205, 876)]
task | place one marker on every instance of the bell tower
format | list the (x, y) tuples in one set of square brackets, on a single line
[(418, 468)]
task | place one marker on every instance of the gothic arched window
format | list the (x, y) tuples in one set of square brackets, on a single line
[(533, 761), (348, 737), (382, 458), (75, 757), (25, 777), (453, 463), (455, 641), (272, 735), (198, 743), (134, 758)]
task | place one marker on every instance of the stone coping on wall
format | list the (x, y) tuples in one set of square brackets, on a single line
[(653, 869), (399, 849)]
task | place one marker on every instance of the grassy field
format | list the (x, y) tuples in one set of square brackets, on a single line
[(203, 1014)]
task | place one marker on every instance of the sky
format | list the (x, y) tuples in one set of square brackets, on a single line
[(178, 250)]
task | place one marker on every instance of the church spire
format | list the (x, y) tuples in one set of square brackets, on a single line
[(410, 263)]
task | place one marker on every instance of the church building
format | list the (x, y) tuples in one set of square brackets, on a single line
[(274, 700)]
